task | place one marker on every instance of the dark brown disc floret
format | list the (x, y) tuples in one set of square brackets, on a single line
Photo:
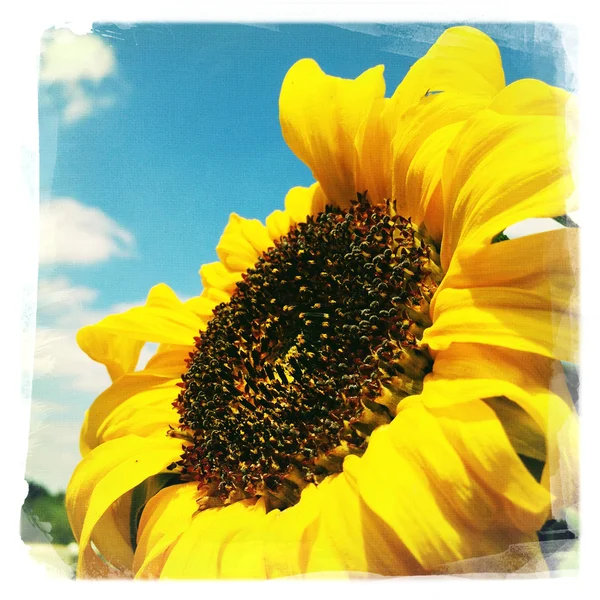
[(317, 345)]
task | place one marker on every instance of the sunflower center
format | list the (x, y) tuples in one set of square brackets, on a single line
[(318, 344)]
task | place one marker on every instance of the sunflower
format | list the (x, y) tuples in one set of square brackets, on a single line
[(368, 383)]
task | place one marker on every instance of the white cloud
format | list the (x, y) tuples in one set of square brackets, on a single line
[(67, 57), (79, 105), (58, 355), (73, 233), (73, 69), (57, 295), (367, 28), (53, 451), (67, 308)]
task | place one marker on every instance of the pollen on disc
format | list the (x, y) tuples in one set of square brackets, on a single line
[(316, 346)]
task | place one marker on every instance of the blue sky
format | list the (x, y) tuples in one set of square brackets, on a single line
[(150, 136)]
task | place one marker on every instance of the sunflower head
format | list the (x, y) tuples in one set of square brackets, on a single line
[(367, 382), (319, 342)]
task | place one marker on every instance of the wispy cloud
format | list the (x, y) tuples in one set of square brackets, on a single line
[(367, 28), (57, 296), (73, 233), (543, 39), (414, 39), (53, 447), (63, 308), (407, 39), (72, 73), (57, 355), (270, 26)]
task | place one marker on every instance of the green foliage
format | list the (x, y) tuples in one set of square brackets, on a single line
[(566, 221), (499, 237), (44, 517), (572, 376)]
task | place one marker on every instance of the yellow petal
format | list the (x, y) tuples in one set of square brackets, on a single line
[(420, 122), (140, 416), (169, 363), (217, 275), (242, 557), (423, 180), (180, 552), (373, 162), (524, 434), (463, 60), (287, 536), (198, 551), (417, 482), (545, 261), (330, 531), (502, 169), (146, 387), (112, 535), (119, 354), (215, 295), (520, 294), (537, 384), (478, 436), (509, 318), (234, 249), (484, 371), (162, 319), (202, 306), (351, 538), (257, 235), (278, 224), (300, 202), (320, 116), (533, 97), (109, 472), (238, 541), (164, 518)]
